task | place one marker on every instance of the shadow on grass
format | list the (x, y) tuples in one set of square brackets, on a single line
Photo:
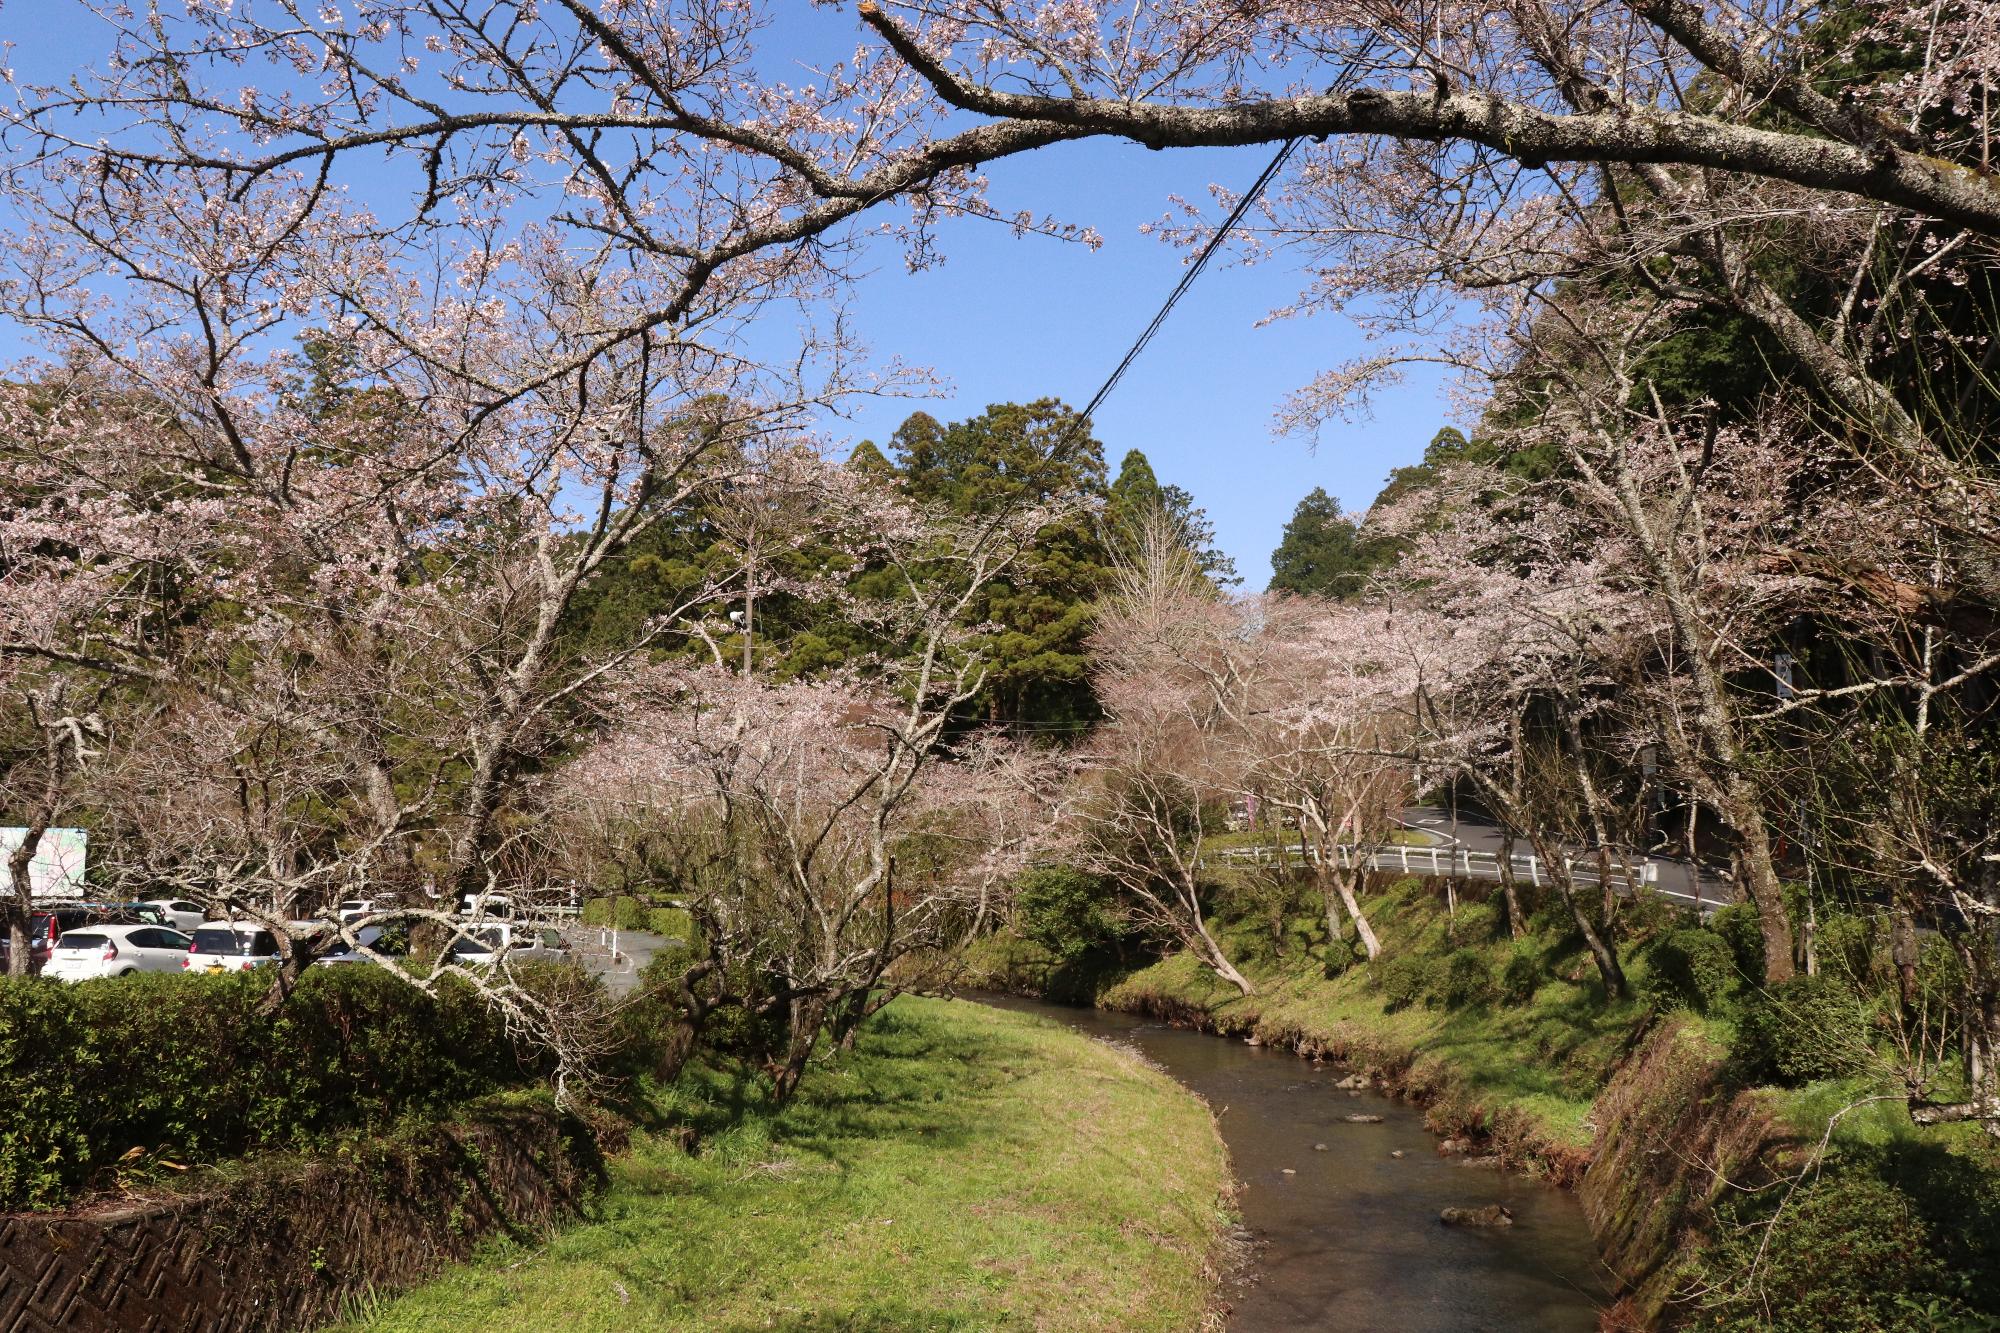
[(893, 1319), (906, 1078)]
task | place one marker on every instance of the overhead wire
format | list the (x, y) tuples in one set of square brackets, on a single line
[(1215, 240)]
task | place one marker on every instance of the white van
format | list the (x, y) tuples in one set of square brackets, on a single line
[(490, 906), (231, 946)]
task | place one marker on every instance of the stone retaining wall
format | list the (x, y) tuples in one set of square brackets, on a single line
[(285, 1247)]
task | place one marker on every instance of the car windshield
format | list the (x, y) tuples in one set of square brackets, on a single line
[(247, 943), (150, 914), (78, 939), (480, 941)]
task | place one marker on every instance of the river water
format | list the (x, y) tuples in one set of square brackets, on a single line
[(1350, 1240)]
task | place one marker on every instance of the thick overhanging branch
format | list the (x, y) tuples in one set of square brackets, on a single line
[(1881, 170)]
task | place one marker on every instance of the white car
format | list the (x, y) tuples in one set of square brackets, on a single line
[(230, 946), (477, 946), (360, 907), (495, 905), (115, 951), (179, 913)]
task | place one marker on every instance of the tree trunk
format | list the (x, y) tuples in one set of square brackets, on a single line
[(1218, 961), (1904, 954), (1347, 885), (20, 903), (1735, 796), (1760, 879), (1517, 922), (1336, 925), (803, 1020), (1606, 958)]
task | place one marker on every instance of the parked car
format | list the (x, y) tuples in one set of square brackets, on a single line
[(360, 907), (477, 946), (382, 941), (179, 913), (48, 925), (231, 946), (495, 905), (115, 951)]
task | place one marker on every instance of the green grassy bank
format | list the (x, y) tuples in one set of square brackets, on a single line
[(963, 1168)]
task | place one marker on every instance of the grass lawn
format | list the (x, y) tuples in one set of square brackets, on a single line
[(964, 1168)]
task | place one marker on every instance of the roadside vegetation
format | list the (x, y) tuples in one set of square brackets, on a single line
[(961, 1168), (127, 1083)]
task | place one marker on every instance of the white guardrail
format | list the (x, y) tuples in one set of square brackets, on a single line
[(1457, 863)]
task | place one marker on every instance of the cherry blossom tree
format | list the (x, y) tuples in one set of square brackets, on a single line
[(832, 843), (1177, 667), (339, 576), (1327, 741)]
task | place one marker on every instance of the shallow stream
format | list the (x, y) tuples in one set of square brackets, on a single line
[(1348, 1237)]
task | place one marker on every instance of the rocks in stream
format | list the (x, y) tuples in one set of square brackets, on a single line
[(1492, 1215), (1362, 1119), (1319, 1147), (1491, 1160), (1454, 1147), (1352, 1082), (1396, 1153)]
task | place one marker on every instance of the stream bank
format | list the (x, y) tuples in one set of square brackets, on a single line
[(1626, 1111), (1341, 1191)]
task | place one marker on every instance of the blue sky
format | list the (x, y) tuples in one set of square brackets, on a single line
[(1012, 319), (1009, 319)]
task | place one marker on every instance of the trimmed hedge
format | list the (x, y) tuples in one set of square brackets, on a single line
[(188, 1069)]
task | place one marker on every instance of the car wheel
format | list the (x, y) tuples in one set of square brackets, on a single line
[(130, 971)]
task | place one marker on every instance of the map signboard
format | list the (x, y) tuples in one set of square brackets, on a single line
[(57, 870)]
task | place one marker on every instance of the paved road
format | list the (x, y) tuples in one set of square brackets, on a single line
[(1470, 848), (1702, 887), (591, 946)]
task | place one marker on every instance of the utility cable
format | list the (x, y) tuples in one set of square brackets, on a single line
[(1208, 250), (1214, 243)]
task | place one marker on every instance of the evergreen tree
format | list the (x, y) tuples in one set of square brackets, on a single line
[(1137, 492), (1322, 552), (870, 461), (1041, 612)]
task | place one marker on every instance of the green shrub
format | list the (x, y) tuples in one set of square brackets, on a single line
[(1847, 1252), (1800, 1030), (1692, 967), (1467, 979), (675, 923), (1738, 925), (192, 1068), (1845, 946), (624, 912), (1065, 911), (1522, 976), (1404, 979), (1475, 923)]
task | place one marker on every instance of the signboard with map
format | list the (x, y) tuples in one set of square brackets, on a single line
[(57, 870)]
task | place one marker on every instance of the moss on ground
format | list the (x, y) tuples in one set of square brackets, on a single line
[(963, 1168)]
